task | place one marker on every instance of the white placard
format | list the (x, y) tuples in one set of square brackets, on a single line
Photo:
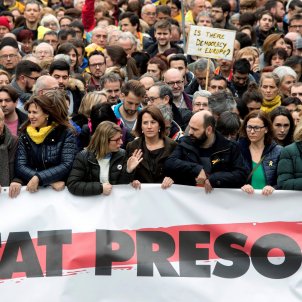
[(208, 42)]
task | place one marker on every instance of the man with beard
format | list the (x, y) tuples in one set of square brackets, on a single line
[(163, 38), (276, 8), (111, 82), (241, 77), (97, 67), (220, 14), (27, 73), (205, 158), (133, 93)]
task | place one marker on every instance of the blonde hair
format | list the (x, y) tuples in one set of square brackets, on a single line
[(298, 132), (99, 143), (247, 51), (88, 101)]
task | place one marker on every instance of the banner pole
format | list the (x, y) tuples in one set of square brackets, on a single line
[(208, 72), (183, 24)]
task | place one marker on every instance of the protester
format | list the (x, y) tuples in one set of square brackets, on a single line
[(283, 125), (290, 163), (8, 146), (260, 152), (206, 158), (269, 87), (47, 146), (102, 164), (153, 145)]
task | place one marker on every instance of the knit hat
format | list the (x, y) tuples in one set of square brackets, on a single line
[(4, 22)]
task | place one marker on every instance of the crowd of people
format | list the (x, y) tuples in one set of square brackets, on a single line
[(97, 93)]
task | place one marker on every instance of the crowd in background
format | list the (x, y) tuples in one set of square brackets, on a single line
[(97, 93)]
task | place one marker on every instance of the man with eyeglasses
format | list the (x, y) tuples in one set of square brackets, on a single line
[(161, 94), (220, 14), (9, 55), (175, 80), (97, 67), (44, 84), (206, 158), (295, 24), (27, 73), (149, 14)]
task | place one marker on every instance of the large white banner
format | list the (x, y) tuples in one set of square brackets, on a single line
[(178, 244)]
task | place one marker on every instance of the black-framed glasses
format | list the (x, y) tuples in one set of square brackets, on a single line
[(249, 128), (32, 78), (97, 64), (151, 99), (178, 83)]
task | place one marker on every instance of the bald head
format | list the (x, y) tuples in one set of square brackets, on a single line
[(200, 116), (45, 83)]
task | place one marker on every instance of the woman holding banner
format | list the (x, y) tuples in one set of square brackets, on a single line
[(154, 146), (47, 145), (290, 164), (102, 164), (260, 152)]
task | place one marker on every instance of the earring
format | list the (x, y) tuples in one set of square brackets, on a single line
[(47, 118), (158, 130)]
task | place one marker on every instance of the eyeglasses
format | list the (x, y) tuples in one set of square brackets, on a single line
[(32, 78), (295, 26), (178, 83), (151, 99), (9, 56), (150, 14), (97, 64), (249, 128), (51, 89), (201, 104), (116, 140)]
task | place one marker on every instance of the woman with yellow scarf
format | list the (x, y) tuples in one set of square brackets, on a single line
[(47, 145), (270, 89)]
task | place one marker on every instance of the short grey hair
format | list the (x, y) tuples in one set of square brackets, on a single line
[(283, 71), (202, 93), (203, 14), (166, 111), (50, 18), (41, 83), (110, 77), (202, 64), (163, 90), (50, 48), (148, 75), (128, 35), (220, 102)]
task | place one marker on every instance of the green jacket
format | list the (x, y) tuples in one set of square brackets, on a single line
[(290, 167)]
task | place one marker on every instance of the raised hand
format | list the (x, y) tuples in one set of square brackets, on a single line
[(134, 160)]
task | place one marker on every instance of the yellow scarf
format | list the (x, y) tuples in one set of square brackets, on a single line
[(268, 106), (38, 137)]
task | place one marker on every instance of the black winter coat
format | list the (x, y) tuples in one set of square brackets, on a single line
[(51, 160), (227, 163), (146, 172), (84, 178)]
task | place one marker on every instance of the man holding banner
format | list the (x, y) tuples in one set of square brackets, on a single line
[(205, 158)]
